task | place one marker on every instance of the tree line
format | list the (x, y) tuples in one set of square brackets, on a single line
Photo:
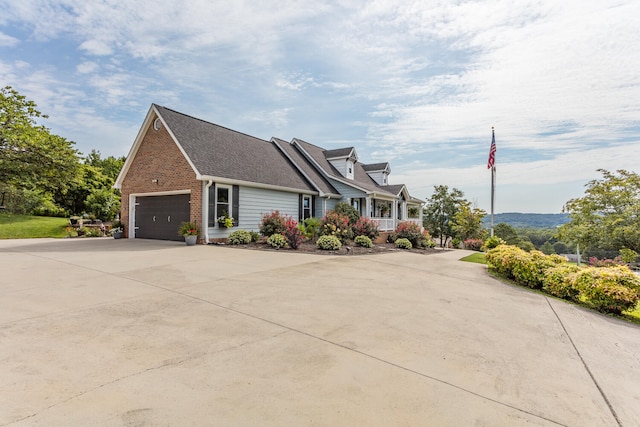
[(602, 223), (43, 174)]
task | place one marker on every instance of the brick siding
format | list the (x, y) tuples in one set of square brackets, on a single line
[(158, 158)]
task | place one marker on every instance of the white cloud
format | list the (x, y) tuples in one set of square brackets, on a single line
[(87, 67), (8, 41)]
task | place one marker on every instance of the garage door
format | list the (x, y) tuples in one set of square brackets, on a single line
[(158, 217)]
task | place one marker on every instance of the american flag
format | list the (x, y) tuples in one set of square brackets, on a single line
[(492, 151)]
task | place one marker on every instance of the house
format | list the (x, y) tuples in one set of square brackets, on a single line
[(181, 168)]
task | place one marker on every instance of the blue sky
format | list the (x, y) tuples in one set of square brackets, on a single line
[(418, 84)]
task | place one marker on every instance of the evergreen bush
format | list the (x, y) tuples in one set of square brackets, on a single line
[(277, 241), (363, 241), (239, 237), (403, 243), (329, 243)]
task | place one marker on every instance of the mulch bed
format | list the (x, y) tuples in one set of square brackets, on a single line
[(349, 249)]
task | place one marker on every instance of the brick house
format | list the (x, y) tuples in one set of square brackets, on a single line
[(181, 168)]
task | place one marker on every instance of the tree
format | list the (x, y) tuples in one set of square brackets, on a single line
[(440, 211), (31, 158), (547, 249), (608, 216), (467, 222), (506, 233)]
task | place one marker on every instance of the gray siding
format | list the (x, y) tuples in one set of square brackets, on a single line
[(324, 205), (347, 191), (255, 202)]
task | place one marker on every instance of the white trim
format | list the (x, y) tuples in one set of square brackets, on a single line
[(132, 206), (227, 181), (146, 125), (217, 215)]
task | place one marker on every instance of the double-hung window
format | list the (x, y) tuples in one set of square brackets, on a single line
[(223, 202)]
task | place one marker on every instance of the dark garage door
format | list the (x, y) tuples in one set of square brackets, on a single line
[(158, 217)]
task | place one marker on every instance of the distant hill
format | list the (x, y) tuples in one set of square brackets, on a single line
[(528, 220)]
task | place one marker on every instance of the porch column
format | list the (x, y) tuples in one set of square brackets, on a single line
[(394, 214), (367, 207)]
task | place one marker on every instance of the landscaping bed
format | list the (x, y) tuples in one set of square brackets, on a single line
[(311, 248)]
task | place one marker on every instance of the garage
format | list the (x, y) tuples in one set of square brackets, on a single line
[(158, 217)]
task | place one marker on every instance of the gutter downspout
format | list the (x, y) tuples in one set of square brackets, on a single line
[(205, 220)]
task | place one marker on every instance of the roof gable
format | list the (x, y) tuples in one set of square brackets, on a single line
[(218, 152)]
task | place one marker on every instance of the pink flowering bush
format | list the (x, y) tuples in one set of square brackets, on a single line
[(366, 227), (293, 233), (336, 224), (272, 223)]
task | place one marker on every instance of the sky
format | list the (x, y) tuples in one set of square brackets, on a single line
[(418, 84)]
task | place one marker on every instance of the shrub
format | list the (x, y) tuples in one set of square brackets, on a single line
[(473, 244), (403, 243), (503, 258), (366, 227), (272, 223), (255, 236), (610, 290), (311, 228), (277, 241), (336, 224), (392, 237), (329, 243), (560, 281), (344, 208), (239, 237), (363, 241), (413, 233), (530, 268), (292, 233), (595, 262), (427, 241), (493, 242), (628, 256)]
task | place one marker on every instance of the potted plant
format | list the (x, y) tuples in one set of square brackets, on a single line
[(225, 221), (190, 231), (117, 229)]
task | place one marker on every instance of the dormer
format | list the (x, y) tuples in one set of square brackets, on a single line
[(379, 172), (343, 159)]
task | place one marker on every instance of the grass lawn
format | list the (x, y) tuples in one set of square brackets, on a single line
[(477, 257), (27, 226)]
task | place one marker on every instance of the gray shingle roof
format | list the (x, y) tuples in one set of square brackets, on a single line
[(375, 167), (299, 160), (360, 179), (217, 151), (338, 152)]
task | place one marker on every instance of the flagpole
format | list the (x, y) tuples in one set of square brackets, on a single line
[(493, 174)]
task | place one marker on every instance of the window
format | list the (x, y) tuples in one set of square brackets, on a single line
[(223, 201), (350, 169), (356, 204), (306, 207)]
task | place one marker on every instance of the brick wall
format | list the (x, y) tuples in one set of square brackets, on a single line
[(158, 158)]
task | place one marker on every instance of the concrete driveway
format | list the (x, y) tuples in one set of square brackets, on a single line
[(123, 332)]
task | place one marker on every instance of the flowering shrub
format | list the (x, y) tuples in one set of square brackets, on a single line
[(493, 242), (560, 281), (473, 244), (335, 224), (366, 227), (595, 262), (329, 243), (610, 290), (277, 241), (363, 241), (272, 223), (413, 233), (292, 233), (239, 237), (403, 243), (344, 208), (607, 289)]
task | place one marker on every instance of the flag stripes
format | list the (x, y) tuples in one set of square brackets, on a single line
[(492, 151)]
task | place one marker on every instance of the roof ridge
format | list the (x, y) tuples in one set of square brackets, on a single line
[(209, 123)]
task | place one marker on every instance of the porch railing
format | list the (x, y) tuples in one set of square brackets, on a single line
[(389, 224)]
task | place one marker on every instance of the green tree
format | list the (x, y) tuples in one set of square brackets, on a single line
[(467, 222), (547, 248), (506, 233), (440, 211), (31, 158), (607, 217)]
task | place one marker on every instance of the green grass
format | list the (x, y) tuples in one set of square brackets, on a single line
[(26, 226), (477, 257)]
